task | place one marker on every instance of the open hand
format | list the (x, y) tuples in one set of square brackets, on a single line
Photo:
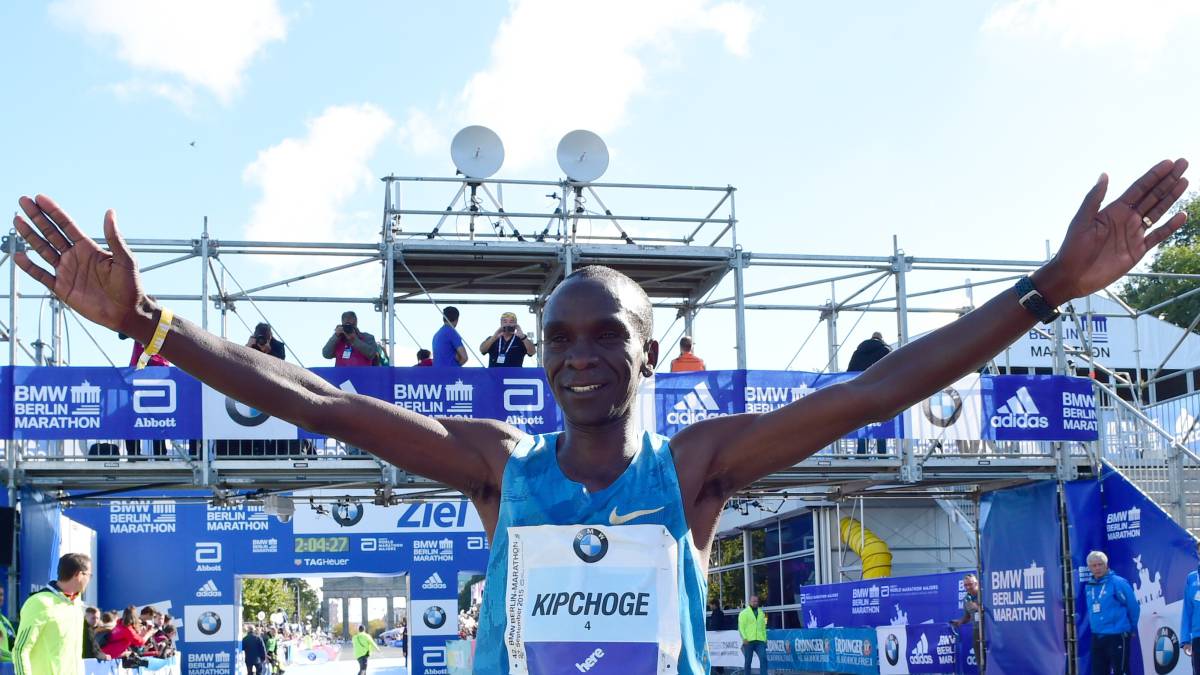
[(1102, 245), (103, 286)]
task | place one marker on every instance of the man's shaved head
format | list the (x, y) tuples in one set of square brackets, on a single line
[(639, 303)]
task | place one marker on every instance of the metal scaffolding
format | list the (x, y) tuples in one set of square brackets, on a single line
[(679, 242)]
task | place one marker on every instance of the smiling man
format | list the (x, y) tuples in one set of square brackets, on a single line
[(600, 533)]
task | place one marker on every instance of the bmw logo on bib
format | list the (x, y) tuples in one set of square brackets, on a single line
[(892, 650), (590, 544), (1166, 650)]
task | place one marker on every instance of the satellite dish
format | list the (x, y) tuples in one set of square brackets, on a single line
[(477, 151), (583, 156)]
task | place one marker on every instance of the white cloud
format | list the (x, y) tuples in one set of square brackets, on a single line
[(308, 182), (557, 66), (1141, 28), (207, 44)]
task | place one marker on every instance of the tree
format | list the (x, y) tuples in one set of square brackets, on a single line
[(310, 604), (1179, 254), (265, 595)]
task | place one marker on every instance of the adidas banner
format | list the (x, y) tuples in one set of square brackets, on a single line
[(925, 648), (165, 403)]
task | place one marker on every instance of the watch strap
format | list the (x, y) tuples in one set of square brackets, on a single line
[(1033, 302)]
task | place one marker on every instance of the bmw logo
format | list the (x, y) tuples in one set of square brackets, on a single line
[(590, 545), (1166, 650), (209, 623), (891, 650), (251, 418), (348, 515), (434, 617), (943, 408)]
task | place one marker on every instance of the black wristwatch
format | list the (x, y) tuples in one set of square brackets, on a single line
[(1033, 302)]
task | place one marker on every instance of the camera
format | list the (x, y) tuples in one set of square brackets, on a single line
[(348, 328), (510, 329), (261, 339), (134, 662)]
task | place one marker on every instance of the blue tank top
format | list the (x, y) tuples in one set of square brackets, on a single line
[(593, 582)]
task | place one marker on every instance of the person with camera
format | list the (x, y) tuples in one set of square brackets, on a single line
[(264, 341), (349, 346), (128, 637), (509, 345)]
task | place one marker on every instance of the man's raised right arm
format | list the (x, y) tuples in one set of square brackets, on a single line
[(104, 287)]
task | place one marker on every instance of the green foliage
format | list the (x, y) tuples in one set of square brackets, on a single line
[(1179, 254), (265, 595)]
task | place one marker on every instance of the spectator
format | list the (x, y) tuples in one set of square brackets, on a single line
[(364, 646), (50, 634), (7, 633), (509, 345), (752, 626), (424, 358), (129, 635), (448, 348), (272, 644), (686, 362), (1113, 612), (1189, 630), (254, 651), (264, 341), (104, 628), (867, 354), (91, 624), (164, 641), (348, 346)]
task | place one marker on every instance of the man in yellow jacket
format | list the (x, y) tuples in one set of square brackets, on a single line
[(364, 646), (752, 624), (50, 634)]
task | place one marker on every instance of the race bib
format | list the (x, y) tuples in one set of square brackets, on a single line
[(592, 599)]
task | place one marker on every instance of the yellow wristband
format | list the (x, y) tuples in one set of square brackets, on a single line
[(165, 318)]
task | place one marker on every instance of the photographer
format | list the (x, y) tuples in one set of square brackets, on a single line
[(265, 342), (509, 345), (348, 346)]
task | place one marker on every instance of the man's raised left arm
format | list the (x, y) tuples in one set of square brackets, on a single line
[(1101, 245)]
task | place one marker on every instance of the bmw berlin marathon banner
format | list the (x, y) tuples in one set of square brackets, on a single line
[(894, 601), (1146, 547), (165, 403), (1022, 581), (185, 556), (927, 648)]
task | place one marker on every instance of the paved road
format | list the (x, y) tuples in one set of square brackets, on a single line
[(386, 661)]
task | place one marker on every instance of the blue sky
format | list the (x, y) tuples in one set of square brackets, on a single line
[(968, 129)]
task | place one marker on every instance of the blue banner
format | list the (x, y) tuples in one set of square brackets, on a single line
[(895, 601), (823, 650), (1146, 547), (41, 536), (199, 551), (939, 649), (44, 403), (1022, 580), (1039, 408)]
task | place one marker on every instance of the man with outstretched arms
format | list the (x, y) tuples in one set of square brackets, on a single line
[(600, 533)]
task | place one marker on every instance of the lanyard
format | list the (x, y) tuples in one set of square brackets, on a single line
[(511, 342)]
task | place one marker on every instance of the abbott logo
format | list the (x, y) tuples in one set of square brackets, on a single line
[(154, 396), (697, 405), (523, 395), (433, 657), (208, 556), (1020, 412)]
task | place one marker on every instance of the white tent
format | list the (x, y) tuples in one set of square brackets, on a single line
[(1114, 340)]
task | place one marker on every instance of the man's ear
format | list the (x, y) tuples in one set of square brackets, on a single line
[(651, 358)]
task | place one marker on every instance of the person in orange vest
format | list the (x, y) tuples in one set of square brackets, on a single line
[(686, 362)]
